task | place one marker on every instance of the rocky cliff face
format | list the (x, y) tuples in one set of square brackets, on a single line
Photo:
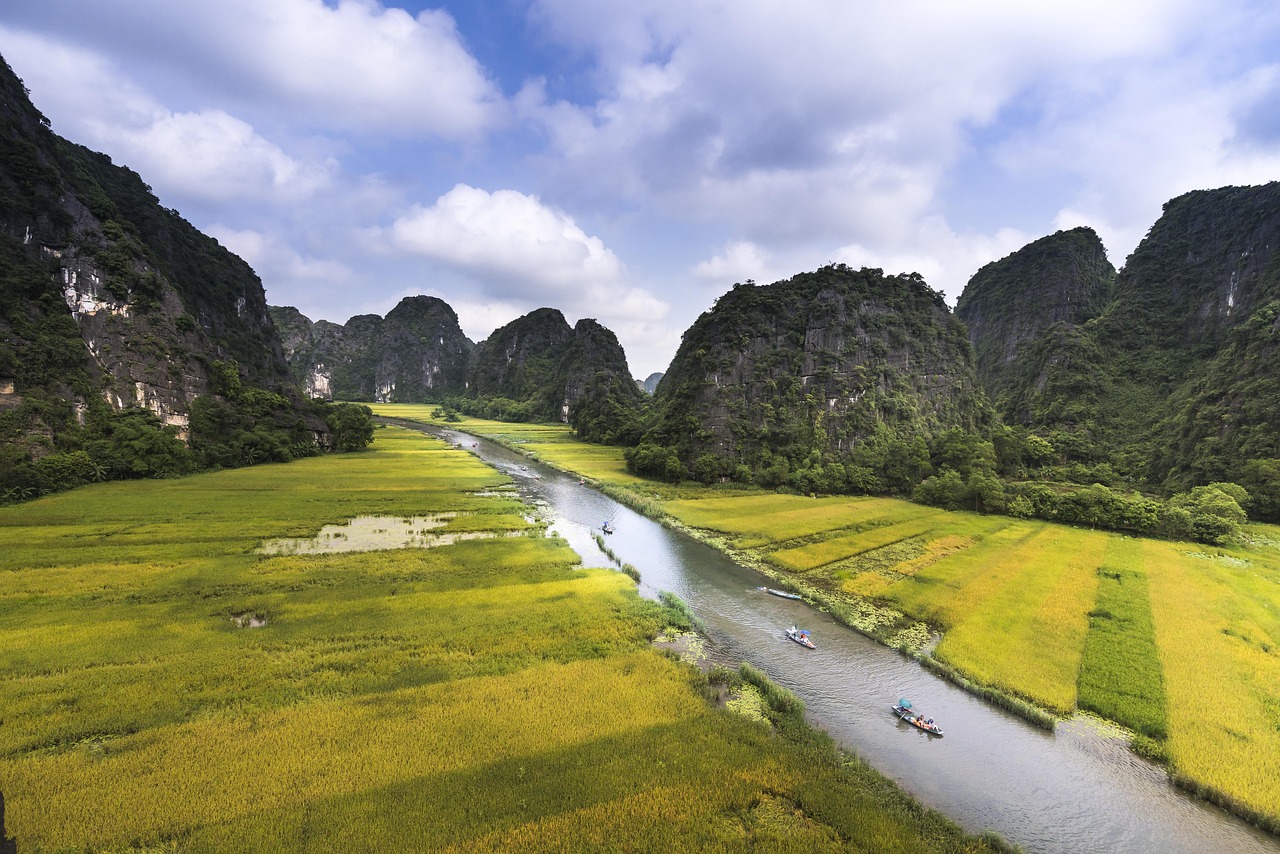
[(107, 295), (1171, 375), (650, 383), (520, 360), (578, 375), (1010, 304), (416, 353), (818, 363), (535, 367)]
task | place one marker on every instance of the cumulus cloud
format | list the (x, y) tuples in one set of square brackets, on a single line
[(738, 261), (522, 250), (816, 123), (200, 156), (518, 254), (217, 157), (353, 64)]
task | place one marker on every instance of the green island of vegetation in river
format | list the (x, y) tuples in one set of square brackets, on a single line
[(1177, 641), (172, 683)]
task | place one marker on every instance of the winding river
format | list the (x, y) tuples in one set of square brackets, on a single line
[(1078, 789)]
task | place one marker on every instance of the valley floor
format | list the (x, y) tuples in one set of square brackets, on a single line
[(1178, 642), (169, 684)]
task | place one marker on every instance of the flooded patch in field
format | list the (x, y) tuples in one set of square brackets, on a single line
[(1224, 559), (375, 533), (249, 621)]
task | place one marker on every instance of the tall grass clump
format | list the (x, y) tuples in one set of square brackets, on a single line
[(678, 614), (780, 700)]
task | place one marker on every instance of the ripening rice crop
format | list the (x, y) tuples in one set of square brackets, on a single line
[(817, 554), (1217, 624), (168, 686), (761, 519), (1023, 622)]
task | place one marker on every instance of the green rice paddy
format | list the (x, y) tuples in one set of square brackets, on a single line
[(166, 685), (1178, 642)]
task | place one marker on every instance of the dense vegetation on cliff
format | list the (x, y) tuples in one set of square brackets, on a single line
[(1166, 381), (538, 368), (535, 368), (415, 354), (1042, 292), (122, 328), (833, 380)]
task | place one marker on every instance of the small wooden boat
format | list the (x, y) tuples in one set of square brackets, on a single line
[(904, 710), (607, 528), (784, 594), (800, 636)]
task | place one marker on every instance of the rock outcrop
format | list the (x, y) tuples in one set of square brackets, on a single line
[(548, 370), (416, 353), (105, 294), (1063, 281), (1171, 376), (818, 363)]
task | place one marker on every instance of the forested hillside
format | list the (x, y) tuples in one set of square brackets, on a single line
[(1172, 380), (417, 353), (131, 345), (836, 379)]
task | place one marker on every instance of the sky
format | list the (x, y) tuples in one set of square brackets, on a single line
[(630, 160)]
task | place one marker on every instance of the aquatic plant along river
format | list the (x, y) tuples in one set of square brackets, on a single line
[(1075, 790)]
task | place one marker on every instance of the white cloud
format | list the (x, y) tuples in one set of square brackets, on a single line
[(360, 64), (944, 258), (738, 261), (509, 239), (811, 123), (217, 157), (271, 257), (519, 254), (352, 65), (202, 156)]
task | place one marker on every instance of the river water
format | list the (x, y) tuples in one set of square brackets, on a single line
[(1079, 789)]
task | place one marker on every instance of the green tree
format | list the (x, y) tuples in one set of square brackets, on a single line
[(350, 426)]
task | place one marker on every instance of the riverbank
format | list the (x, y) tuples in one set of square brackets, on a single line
[(1207, 617)]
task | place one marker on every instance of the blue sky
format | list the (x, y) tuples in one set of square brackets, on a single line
[(630, 161)]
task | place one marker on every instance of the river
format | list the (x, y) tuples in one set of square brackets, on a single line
[(1079, 789)]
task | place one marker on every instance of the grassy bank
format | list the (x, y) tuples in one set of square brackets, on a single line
[(168, 686), (1175, 641)]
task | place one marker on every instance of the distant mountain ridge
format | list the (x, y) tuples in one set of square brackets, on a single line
[(417, 352), (535, 367)]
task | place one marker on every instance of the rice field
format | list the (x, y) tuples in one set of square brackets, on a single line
[(1120, 674), (554, 444), (167, 685), (1180, 643), (1063, 617), (1218, 632)]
